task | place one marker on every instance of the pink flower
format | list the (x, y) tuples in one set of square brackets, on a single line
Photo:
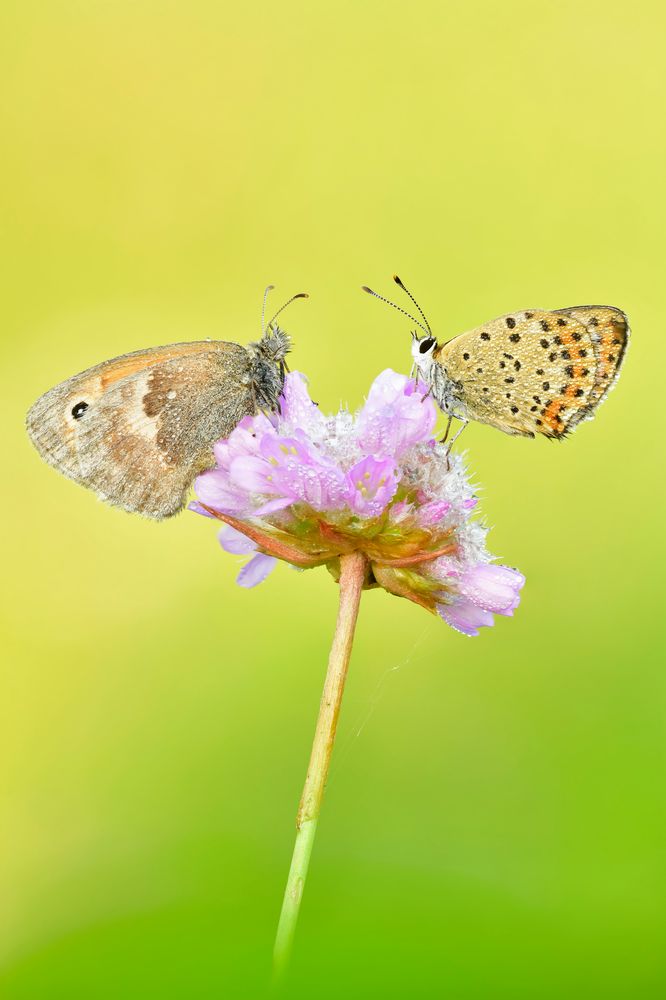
[(307, 488), (396, 415), (371, 485)]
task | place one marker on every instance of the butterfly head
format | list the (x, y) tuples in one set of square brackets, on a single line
[(268, 364), (423, 350), (274, 345), (423, 347)]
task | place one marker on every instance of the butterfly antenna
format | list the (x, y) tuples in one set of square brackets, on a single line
[(299, 295), (268, 288), (399, 308), (405, 289)]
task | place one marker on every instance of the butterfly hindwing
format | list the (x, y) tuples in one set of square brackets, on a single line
[(609, 330), (138, 429), (534, 371)]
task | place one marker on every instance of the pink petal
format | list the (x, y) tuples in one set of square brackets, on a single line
[(255, 571), (297, 407), (236, 542), (252, 474), (395, 416), (197, 508), (433, 512), (271, 506), (495, 588), (465, 617), (372, 485), (215, 489)]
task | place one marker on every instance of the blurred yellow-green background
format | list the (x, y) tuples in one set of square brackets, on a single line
[(494, 823)]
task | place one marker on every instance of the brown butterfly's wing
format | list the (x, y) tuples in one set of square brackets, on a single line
[(139, 428), (537, 372)]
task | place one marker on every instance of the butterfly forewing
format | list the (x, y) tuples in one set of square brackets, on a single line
[(534, 371), (138, 429)]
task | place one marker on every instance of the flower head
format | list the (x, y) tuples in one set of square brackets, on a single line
[(306, 488)]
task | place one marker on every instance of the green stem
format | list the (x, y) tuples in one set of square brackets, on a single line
[(352, 575)]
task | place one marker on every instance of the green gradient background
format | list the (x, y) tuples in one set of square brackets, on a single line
[(494, 824)]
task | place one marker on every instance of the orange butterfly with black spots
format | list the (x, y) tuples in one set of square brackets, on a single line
[(526, 373)]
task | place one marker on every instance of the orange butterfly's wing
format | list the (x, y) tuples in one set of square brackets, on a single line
[(131, 364), (609, 330), (536, 371), (139, 428)]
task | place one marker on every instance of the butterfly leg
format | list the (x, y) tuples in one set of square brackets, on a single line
[(446, 432), (455, 437)]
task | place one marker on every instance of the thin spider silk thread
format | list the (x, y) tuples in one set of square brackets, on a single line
[(374, 700)]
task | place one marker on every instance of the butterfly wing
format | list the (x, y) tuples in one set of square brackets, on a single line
[(536, 372), (139, 428), (609, 330)]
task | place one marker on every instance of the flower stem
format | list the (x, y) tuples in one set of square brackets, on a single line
[(352, 575)]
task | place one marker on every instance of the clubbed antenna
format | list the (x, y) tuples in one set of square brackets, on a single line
[(299, 295), (405, 289), (399, 308), (268, 288)]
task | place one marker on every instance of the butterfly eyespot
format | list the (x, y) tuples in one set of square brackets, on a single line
[(426, 344), (79, 410)]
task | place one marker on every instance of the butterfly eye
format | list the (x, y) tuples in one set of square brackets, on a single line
[(426, 344), (79, 410)]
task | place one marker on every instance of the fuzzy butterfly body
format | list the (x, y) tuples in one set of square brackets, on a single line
[(530, 372)]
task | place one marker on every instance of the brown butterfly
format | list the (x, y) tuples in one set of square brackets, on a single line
[(138, 429), (530, 372)]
